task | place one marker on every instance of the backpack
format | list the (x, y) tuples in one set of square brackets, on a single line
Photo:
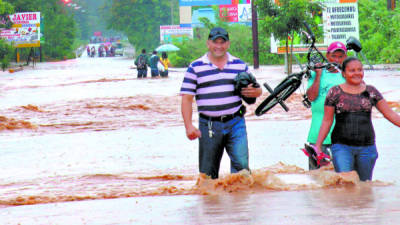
[(141, 62)]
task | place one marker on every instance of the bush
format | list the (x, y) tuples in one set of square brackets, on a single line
[(6, 52), (379, 31), (190, 50), (241, 46)]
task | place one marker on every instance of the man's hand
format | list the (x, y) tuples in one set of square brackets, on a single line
[(313, 90), (318, 72), (192, 133), (251, 92), (186, 108)]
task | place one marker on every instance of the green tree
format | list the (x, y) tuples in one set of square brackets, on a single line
[(379, 31), (5, 9), (59, 27), (139, 20), (81, 13), (286, 19), (6, 50), (240, 38)]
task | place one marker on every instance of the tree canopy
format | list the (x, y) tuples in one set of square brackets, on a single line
[(59, 27), (5, 49), (140, 20), (5, 9), (379, 31), (286, 18)]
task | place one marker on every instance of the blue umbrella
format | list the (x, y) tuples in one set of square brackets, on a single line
[(167, 48)]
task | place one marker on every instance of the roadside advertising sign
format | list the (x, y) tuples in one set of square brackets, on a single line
[(204, 2), (168, 33), (239, 12), (25, 31), (244, 12), (339, 21), (233, 11), (228, 13)]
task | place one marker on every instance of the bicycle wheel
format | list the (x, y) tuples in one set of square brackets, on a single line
[(280, 93)]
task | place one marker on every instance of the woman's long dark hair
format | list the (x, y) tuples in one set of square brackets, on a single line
[(348, 60), (164, 55)]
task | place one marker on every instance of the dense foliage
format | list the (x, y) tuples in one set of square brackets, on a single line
[(286, 20), (379, 31), (6, 53), (140, 20), (6, 50), (241, 46)]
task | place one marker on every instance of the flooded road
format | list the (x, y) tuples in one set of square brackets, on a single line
[(85, 142)]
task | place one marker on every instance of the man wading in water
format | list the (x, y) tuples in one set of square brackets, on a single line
[(221, 113)]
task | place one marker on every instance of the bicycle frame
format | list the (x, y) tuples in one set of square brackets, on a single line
[(293, 81)]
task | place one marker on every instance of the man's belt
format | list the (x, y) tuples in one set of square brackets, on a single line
[(225, 118)]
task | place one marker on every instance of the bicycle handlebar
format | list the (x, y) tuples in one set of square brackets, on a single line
[(327, 65), (310, 33)]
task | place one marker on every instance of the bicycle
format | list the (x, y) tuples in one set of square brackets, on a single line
[(315, 60)]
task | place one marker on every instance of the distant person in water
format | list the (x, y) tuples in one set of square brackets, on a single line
[(141, 63), (154, 59), (165, 62)]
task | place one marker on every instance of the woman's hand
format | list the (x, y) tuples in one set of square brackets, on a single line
[(317, 149)]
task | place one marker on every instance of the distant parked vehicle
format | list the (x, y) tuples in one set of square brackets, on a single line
[(119, 49)]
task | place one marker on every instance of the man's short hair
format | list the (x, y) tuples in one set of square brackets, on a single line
[(143, 50), (218, 32)]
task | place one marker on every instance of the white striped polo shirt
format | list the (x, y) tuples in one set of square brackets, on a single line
[(214, 88)]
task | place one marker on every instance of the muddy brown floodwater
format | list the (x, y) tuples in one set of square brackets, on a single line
[(85, 142)]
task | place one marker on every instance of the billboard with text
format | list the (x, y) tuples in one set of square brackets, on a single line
[(169, 33), (25, 31), (204, 2), (232, 11), (339, 21)]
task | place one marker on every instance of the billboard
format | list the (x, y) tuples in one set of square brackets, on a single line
[(244, 12), (228, 13), (168, 33), (204, 2), (236, 13), (232, 11), (339, 21), (25, 31)]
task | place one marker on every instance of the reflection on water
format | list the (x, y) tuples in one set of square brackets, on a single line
[(83, 130)]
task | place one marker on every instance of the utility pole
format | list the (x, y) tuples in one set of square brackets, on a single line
[(391, 4), (172, 14), (254, 28)]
